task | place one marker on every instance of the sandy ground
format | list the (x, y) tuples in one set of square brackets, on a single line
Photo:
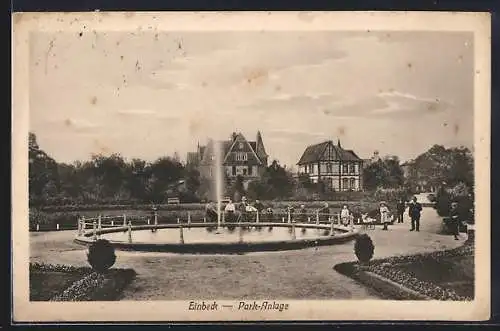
[(300, 274)]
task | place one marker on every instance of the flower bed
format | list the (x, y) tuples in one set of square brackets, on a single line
[(442, 275), (68, 283)]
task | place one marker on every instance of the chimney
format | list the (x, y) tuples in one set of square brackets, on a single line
[(338, 143)]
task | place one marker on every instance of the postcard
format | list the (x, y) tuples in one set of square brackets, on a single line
[(251, 166)]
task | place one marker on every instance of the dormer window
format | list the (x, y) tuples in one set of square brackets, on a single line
[(240, 145)]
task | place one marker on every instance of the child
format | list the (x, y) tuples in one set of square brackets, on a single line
[(384, 215)]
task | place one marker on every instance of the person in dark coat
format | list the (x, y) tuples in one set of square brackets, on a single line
[(259, 206), (414, 211), (210, 212), (456, 220), (400, 209)]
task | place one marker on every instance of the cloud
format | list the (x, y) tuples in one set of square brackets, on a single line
[(289, 103), (388, 104), (241, 61)]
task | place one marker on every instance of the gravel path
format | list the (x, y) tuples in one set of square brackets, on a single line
[(301, 274)]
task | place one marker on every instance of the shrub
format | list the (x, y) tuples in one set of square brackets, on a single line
[(101, 255), (459, 193), (363, 248)]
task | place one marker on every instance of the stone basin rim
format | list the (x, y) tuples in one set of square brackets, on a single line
[(224, 247)]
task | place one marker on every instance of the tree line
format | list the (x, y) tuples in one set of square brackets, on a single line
[(114, 180)]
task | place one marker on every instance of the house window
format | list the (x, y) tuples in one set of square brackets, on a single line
[(244, 172), (311, 169), (234, 171), (351, 168), (329, 168), (344, 168), (345, 184), (306, 169), (241, 156), (352, 183), (250, 170)]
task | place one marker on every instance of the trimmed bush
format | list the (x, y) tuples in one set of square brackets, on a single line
[(101, 255), (364, 248)]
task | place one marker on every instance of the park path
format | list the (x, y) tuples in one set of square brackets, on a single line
[(301, 274)]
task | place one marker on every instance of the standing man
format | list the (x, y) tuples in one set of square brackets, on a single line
[(400, 208), (455, 219), (414, 211)]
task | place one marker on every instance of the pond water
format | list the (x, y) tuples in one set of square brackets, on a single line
[(202, 235)]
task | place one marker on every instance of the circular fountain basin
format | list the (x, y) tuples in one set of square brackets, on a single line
[(205, 239)]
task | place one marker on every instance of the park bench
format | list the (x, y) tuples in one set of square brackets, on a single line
[(173, 201)]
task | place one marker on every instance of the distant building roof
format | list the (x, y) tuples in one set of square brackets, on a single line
[(327, 151)]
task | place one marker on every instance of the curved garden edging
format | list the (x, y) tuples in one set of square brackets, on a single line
[(386, 288), (380, 280), (224, 247)]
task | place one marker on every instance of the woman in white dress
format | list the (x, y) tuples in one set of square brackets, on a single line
[(384, 215), (345, 215)]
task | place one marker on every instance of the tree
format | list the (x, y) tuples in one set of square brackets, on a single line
[(440, 165), (384, 173), (43, 173), (276, 182)]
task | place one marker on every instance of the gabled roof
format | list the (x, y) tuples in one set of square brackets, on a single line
[(248, 147), (227, 146), (327, 151)]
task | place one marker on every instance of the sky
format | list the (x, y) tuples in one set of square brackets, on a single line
[(148, 94)]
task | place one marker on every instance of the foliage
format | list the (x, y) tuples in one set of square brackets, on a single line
[(443, 166), (101, 255), (460, 193), (384, 173), (107, 179), (364, 248), (275, 183)]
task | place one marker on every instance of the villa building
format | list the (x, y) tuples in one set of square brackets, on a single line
[(240, 157), (340, 169)]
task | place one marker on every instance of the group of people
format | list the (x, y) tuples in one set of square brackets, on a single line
[(415, 210), (236, 212), (241, 211)]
